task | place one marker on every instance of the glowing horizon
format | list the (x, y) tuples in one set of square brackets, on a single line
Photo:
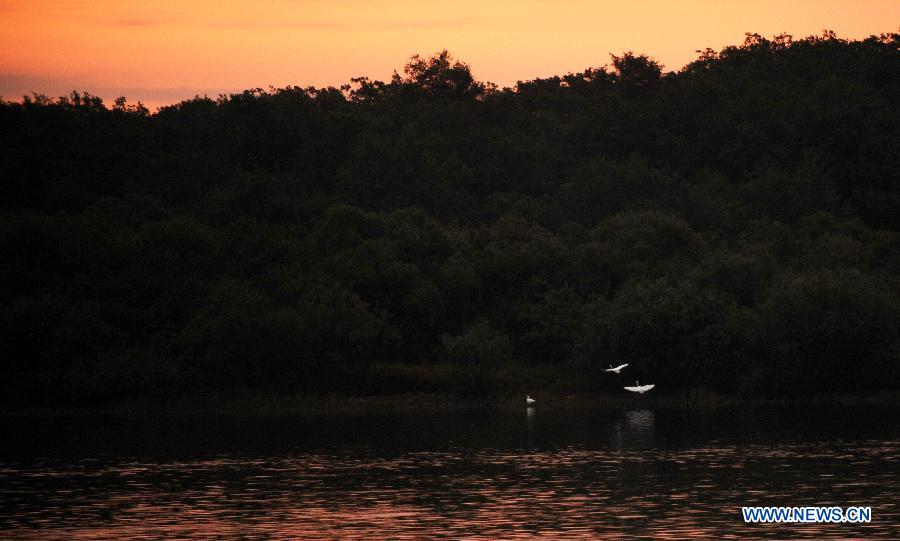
[(169, 51)]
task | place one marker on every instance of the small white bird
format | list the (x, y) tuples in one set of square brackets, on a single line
[(528, 400), (616, 369), (640, 389)]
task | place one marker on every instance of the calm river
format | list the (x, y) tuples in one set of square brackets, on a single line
[(484, 472)]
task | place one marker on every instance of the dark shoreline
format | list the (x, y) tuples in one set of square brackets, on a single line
[(302, 405)]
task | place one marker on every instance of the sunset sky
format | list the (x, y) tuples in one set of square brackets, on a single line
[(165, 51)]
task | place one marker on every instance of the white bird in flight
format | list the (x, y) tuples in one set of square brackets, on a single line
[(529, 400), (616, 369), (638, 388)]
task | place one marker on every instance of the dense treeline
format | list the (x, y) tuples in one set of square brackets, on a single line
[(733, 226)]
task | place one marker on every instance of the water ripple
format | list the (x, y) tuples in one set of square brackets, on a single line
[(568, 492)]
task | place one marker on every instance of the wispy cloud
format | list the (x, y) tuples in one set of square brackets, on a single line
[(83, 13), (344, 26), (90, 17), (141, 22)]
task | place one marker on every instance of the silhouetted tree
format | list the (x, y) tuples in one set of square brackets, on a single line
[(734, 225)]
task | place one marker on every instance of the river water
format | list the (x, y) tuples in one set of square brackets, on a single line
[(481, 472)]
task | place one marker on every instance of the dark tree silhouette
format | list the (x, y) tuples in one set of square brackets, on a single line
[(734, 225)]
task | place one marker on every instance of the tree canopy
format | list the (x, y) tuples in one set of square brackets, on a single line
[(732, 225)]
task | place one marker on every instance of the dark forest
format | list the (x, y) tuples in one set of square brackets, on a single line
[(733, 226)]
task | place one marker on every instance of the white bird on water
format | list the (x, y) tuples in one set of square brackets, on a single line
[(638, 388), (528, 400), (616, 369)]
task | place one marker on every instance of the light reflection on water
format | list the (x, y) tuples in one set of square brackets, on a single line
[(634, 486)]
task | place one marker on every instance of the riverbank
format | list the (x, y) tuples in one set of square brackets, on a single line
[(248, 404)]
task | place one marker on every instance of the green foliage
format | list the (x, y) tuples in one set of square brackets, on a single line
[(734, 225)]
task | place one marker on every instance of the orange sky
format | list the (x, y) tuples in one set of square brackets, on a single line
[(164, 51)]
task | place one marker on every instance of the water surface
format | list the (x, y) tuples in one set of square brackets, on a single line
[(480, 473)]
